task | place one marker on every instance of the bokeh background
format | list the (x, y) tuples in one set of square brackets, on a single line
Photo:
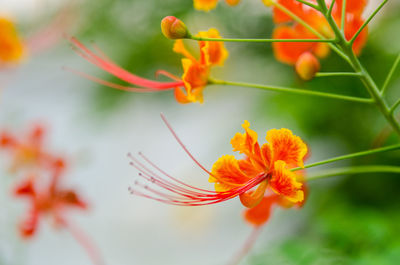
[(347, 220)]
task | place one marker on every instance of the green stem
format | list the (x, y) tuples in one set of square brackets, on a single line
[(331, 8), (366, 79), (353, 170), (395, 105), (316, 7), (354, 155), (367, 21), (390, 75), (323, 74), (260, 40), (291, 90), (343, 20)]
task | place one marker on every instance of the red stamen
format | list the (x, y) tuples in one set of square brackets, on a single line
[(182, 193), (109, 66), (183, 146)]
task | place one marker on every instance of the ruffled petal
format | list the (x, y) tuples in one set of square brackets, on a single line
[(195, 78), (226, 174), (286, 147), (212, 52), (283, 182), (245, 142)]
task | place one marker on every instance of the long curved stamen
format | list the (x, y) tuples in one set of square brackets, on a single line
[(181, 193), (109, 66), (109, 84), (183, 146)]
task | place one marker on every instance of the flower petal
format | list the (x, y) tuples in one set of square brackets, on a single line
[(283, 182), (260, 214), (252, 198), (286, 147), (195, 78), (212, 52), (227, 174)]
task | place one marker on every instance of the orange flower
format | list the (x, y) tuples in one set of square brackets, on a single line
[(264, 166), (29, 152), (290, 52), (207, 5), (11, 47), (195, 71), (271, 160)]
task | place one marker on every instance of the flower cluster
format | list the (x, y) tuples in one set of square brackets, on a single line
[(287, 27), (42, 173), (188, 88)]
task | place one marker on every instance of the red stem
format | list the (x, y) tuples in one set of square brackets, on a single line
[(248, 245), (84, 240)]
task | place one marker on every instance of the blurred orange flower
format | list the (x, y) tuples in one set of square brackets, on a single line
[(11, 46), (29, 152), (289, 53), (207, 5)]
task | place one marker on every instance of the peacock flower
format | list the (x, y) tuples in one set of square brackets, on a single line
[(188, 88), (45, 199), (11, 46), (288, 28), (271, 160), (28, 153), (266, 166)]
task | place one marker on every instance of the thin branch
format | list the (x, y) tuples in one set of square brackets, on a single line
[(260, 40), (324, 74), (331, 8), (367, 21), (354, 155), (395, 105), (291, 90), (316, 7), (353, 170), (390, 74), (342, 23)]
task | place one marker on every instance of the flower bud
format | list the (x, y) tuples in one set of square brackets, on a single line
[(307, 66), (174, 28), (232, 2)]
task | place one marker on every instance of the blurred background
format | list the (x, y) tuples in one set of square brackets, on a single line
[(346, 220)]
